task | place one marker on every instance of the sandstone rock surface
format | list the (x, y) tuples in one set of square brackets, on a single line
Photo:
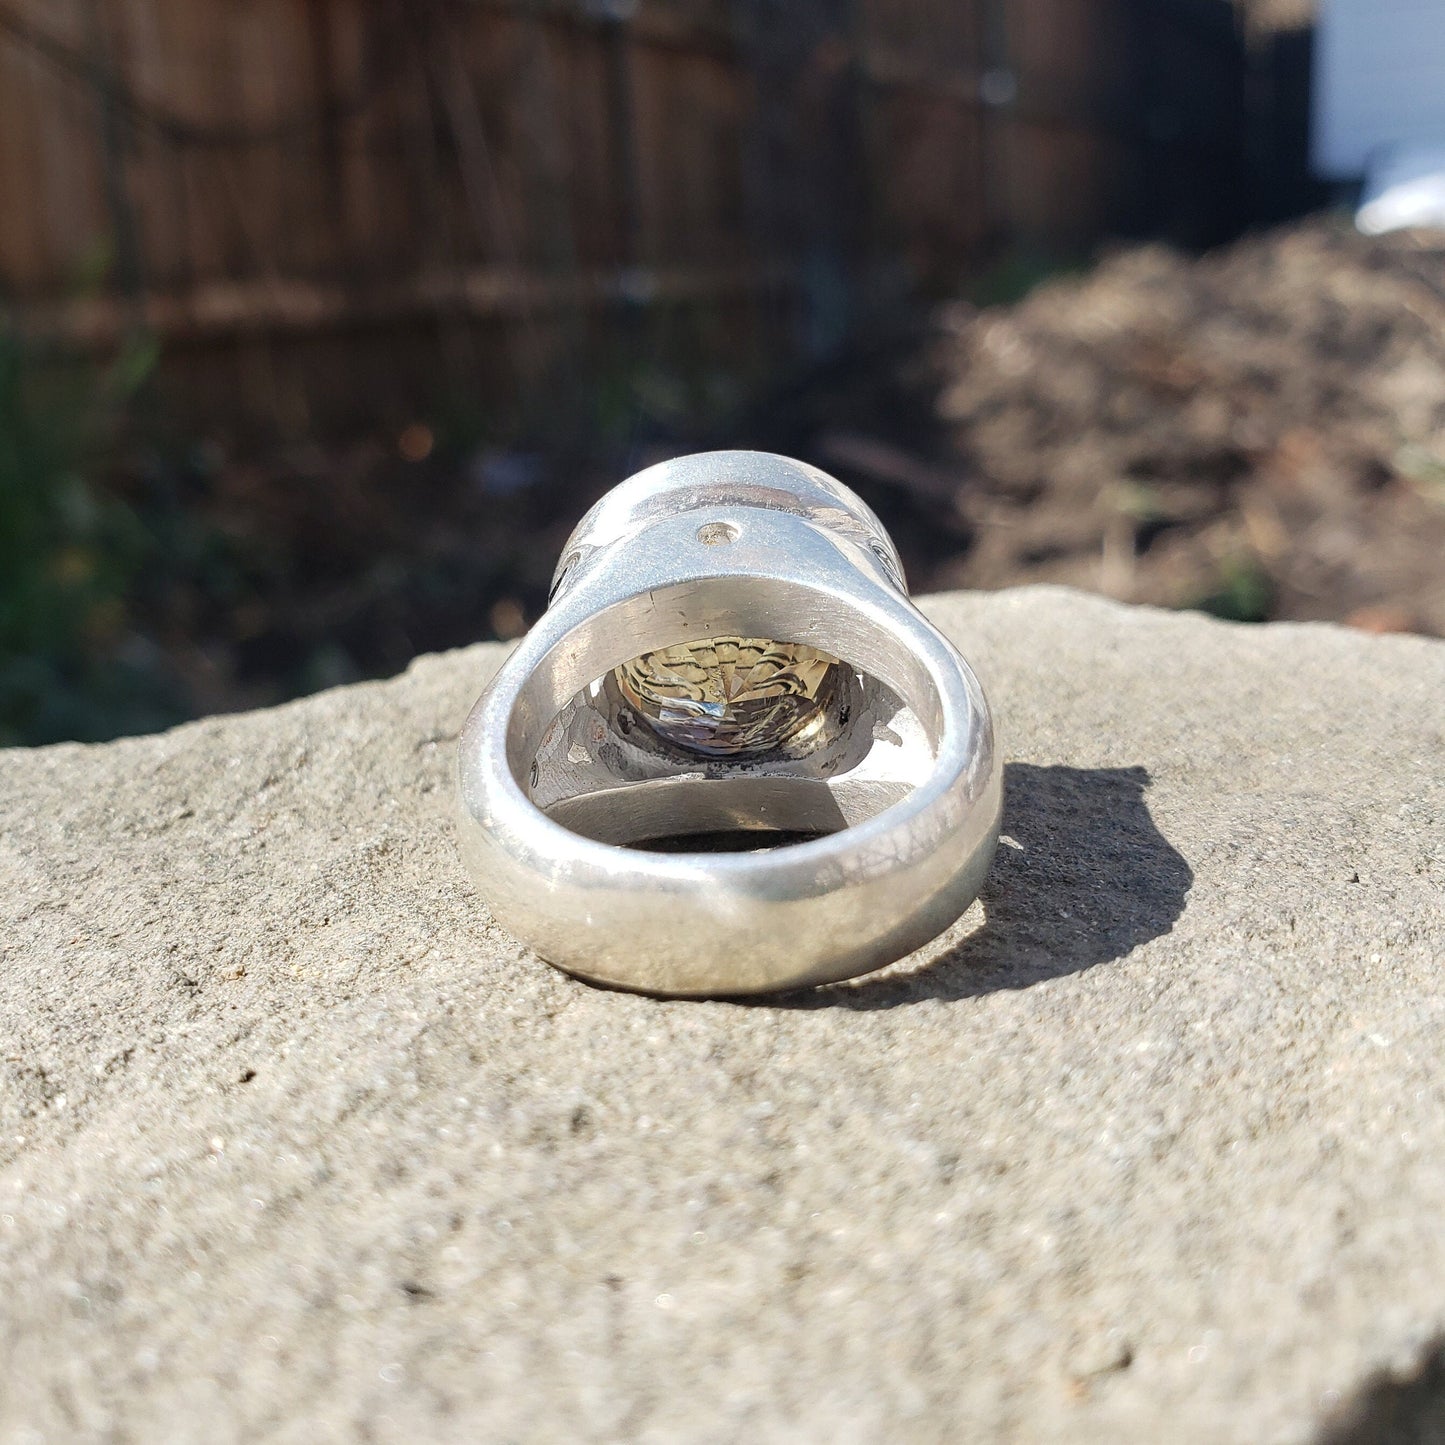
[(295, 1144)]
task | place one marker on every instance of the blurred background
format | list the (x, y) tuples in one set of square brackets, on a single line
[(321, 321)]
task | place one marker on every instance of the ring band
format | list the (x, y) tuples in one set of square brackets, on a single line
[(729, 649)]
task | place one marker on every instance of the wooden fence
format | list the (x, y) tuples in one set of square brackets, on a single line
[(323, 205)]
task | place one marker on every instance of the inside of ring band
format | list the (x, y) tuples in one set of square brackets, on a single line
[(737, 814), (833, 746), (885, 648), (724, 733), (611, 772)]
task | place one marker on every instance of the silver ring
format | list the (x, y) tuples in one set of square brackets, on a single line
[(729, 650)]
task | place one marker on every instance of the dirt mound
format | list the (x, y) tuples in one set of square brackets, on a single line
[(1261, 431)]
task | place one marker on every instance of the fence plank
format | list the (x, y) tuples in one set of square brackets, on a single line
[(334, 162)]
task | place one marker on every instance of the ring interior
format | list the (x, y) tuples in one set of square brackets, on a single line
[(704, 799), (714, 607), (609, 798)]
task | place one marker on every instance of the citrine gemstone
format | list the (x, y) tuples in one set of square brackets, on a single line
[(734, 696)]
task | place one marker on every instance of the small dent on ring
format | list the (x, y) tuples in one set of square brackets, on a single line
[(564, 570), (717, 534)]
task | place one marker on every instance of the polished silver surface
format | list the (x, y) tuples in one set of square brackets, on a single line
[(729, 650)]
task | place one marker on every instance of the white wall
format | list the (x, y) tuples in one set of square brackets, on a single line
[(1379, 79)]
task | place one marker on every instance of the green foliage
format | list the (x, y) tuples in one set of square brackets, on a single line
[(1244, 593), (71, 557), (1424, 470), (1020, 270)]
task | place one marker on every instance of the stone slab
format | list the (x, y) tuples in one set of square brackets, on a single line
[(295, 1144)]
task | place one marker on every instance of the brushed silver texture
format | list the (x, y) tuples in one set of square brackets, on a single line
[(563, 785)]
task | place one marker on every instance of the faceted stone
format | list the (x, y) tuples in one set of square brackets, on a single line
[(732, 696)]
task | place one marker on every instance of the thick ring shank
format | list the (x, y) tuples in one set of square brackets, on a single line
[(691, 923)]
